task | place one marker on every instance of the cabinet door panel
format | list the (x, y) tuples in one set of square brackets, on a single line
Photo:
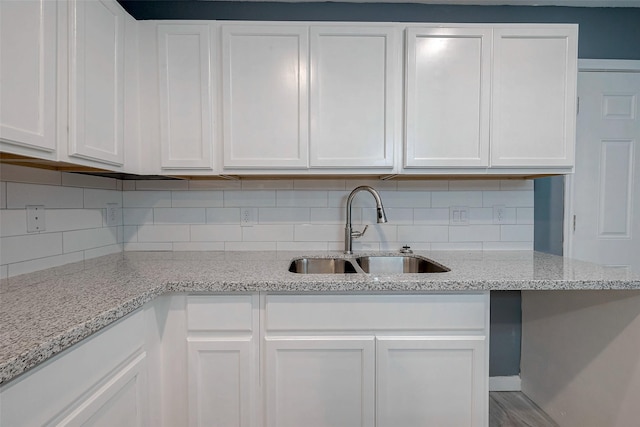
[(97, 81), (447, 97), (28, 75), (439, 379), (534, 97), (354, 73), (320, 381), (185, 96), (265, 116)]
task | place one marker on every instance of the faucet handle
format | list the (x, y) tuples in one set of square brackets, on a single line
[(406, 249), (357, 234)]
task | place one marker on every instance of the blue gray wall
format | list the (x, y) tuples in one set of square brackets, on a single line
[(605, 33)]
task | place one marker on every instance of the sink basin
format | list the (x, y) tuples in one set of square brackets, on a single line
[(321, 266), (399, 264)]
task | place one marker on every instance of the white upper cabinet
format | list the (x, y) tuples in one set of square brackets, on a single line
[(265, 96), (447, 97), (96, 81), (186, 96), (534, 96), (28, 75), (354, 80)]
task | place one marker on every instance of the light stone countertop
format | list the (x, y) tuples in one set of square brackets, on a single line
[(43, 313)]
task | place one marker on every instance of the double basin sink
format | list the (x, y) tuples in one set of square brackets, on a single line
[(373, 264)]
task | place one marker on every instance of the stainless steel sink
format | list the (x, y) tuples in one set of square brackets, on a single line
[(321, 266), (399, 264)]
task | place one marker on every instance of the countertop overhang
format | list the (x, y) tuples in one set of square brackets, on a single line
[(44, 313)]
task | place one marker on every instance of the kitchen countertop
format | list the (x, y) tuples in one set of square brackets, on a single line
[(43, 313)]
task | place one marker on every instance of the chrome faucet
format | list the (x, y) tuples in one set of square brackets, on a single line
[(349, 234)]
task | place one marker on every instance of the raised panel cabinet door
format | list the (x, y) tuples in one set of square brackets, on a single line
[(319, 381), (447, 97), (355, 79), (96, 84), (220, 384), (185, 96), (435, 380), (265, 96), (28, 77), (534, 96)]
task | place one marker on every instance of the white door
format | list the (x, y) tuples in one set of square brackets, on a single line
[(606, 183)]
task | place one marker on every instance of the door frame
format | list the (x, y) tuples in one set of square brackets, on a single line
[(592, 65)]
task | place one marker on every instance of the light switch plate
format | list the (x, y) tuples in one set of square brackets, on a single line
[(459, 215), (112, 214), (35, 219)]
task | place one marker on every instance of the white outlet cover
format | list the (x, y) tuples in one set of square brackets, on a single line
[(112, 214), (248, 217), (35, 219)]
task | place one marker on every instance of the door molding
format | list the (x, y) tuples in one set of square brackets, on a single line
[(589, 65)]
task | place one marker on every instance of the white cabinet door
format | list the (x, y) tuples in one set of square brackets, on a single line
[(447, 97), (186, 96), (320, 381), (96, 81), (265, 96), (221, 386), (439, 381), (28, 74), (534, 96), (354, 88)]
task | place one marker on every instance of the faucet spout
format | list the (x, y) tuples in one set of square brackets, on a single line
[(349, 234)]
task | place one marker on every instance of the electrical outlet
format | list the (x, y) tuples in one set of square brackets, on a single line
[(248, 217), (459, 215), (112, 214), (499, 212), (35, 219)]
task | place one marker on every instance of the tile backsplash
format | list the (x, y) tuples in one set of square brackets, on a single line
[(294, 214)]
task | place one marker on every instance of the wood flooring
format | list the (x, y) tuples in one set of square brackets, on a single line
[(514, 409)]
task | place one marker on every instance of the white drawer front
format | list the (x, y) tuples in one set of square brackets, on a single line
[(220, 313)]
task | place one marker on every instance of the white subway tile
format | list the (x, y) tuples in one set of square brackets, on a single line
[(157, 246), (215, 233), (422, 233), (80, 240), (485, 216), (334, 216), (378, 233), (364, 246), (15, 173), (119, 185), (146, 199), (301, 199), (422, 185), (239, 199), (179, 215), (102, 251), (338, 199), (137, 216), (128, 185), (395, 216), (404, 199), (73, 219), (378, 184), (280, 215), (474, 185), (29, 247), (396, 246), (223, 216), (43, 263), (88, 181), (4, 272), (507, 246), (13, 222), (447, 199), (267, 184), (319, 184), (3, 195), (120, 229), (513, 199), (197, 199), (250, 246), (20, 195), (98, 199), (524, 215), (516, 233), (162, 184), (301, 246), (129, 233), (215, 184), (516, 184), (474, 233), (463, 246), (163, 233), (431, 216), (267, 233), (198, 246), (318, 233)]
